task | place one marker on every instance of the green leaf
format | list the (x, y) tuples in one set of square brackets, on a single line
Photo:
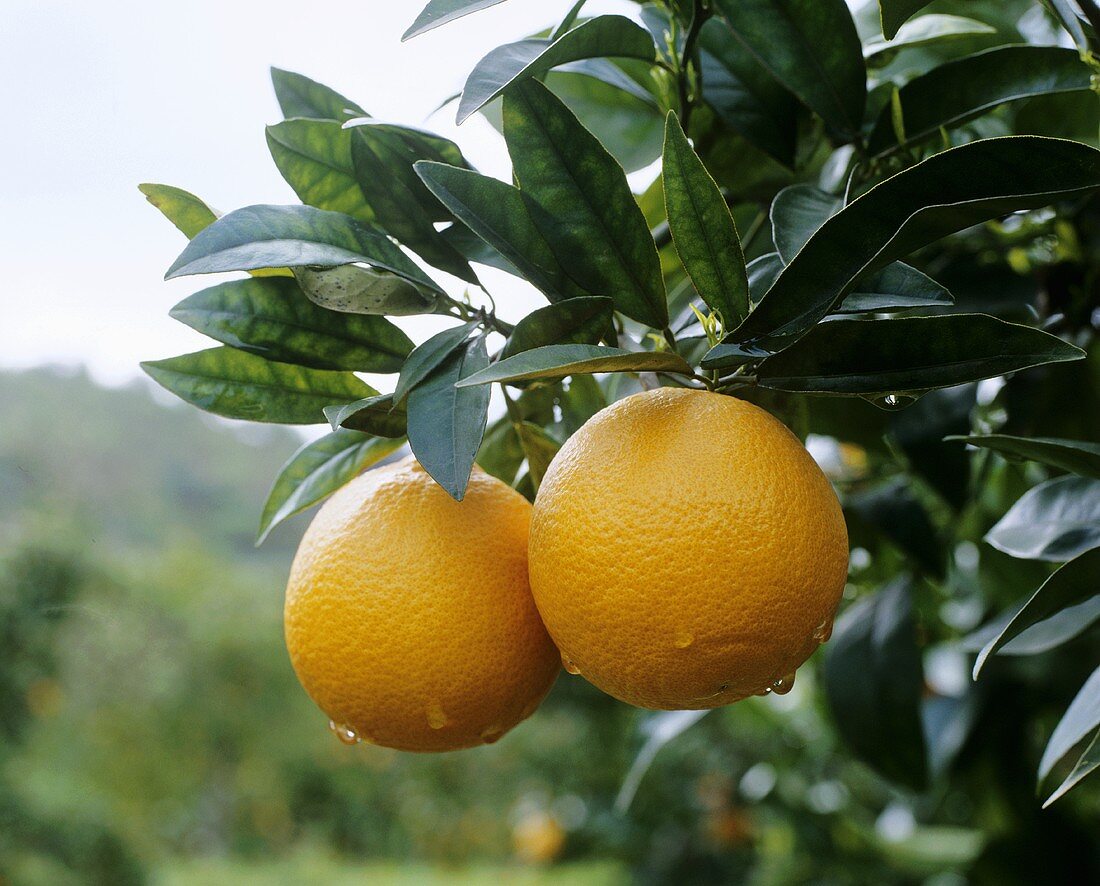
[(606, 36), (948, 192), (623, 115), (1081, 717), (559, 361), (585, 320), (927, 29), (500, 215), (1075, 456), (960, 90), (427, 357), (299, 96), (744, 95), (501, 454), (273, 318), (896, 12), (401, 204), (895, 356), (425, 144), (570, 19), (797, 212), (874, 681), (895, 287), (589, 212), (186, 211), (1076, 582), (376, 415), (703, 229), (236, 384), (1086, 765), (539, 448), (317, 470), (447, 422), (892, 509), (440, 12), (811, 47), (314, 156), (290, 236), (1054, 521), (351, 289)]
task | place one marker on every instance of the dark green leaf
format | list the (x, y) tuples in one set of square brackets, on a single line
[(1081, 717), (962, 89), (744, 95), (606, 36), (1076, 582), (1071, 21), (501, 217), (401, 204), (1054, 521), (896, 12), (427, 357), (892, 509), (186, 211), (703, 229), (289, 236), (894, 356), (797, 213), (273, 318), (539, 448), (948, 192), (317, 470), (314, 156), (501, 453), (623, 115), (874, 681), (351, 289), (895, 287), (301, 97), (1075, 456), (1086, 765), (373, 415), (447, 422), (424, 144), (918, 432), (440, 12), (584, 320), (236, 384), (559, 361), (927, 29), (811, 47), (589, 212)]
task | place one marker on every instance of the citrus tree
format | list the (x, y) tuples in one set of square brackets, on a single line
[(879, 229)]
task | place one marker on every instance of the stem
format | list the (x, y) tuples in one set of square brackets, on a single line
[(669, 337), (688, 63)]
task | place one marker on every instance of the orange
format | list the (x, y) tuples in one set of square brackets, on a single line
[(409, 619), (686, 551)]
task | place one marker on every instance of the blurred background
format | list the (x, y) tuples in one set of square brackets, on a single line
[(151, 728)]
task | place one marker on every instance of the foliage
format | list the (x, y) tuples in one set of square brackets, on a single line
[(849, 230)]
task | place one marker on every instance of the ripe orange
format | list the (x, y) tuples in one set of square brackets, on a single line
[(686, 551), (408, 615)]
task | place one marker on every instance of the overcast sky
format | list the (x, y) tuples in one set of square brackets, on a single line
[(99, 97)]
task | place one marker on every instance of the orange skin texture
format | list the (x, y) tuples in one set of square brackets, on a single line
[(408, 616), (686, 551)]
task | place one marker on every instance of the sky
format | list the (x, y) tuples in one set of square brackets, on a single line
[(99, 97)]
